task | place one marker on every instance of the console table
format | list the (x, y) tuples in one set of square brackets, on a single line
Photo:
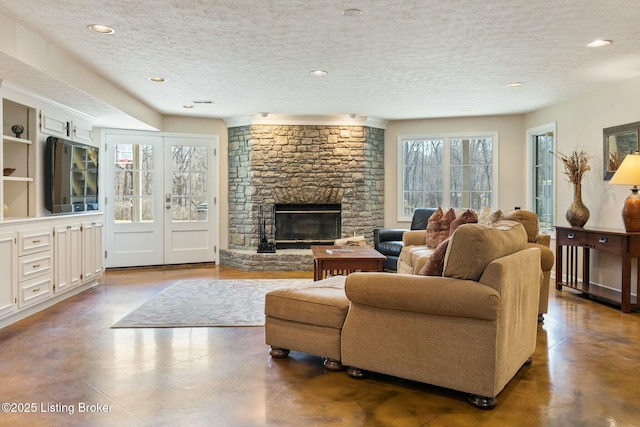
[(625, 245)]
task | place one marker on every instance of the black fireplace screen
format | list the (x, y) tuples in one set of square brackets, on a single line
[(303, 225)]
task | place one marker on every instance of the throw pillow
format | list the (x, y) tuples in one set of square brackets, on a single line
[(438, 227), (435, 265), (488, 216), (466, 217)]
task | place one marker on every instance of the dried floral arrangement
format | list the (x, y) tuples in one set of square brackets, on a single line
[(575, 165)]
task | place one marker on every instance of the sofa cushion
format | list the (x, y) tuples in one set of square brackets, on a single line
[(528, 219), (438, 227), (473, 246), (435, 264), (488, 216), (322, 303), (390, 248)]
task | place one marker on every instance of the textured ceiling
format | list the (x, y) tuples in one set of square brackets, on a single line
[(398, 60)]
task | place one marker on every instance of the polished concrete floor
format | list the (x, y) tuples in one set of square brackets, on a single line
[(67, 359)]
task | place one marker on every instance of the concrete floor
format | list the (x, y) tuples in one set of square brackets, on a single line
[(67, 359)]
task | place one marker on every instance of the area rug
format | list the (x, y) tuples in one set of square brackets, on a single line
[(207, 303)]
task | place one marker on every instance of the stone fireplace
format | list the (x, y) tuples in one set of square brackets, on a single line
[(275, 165)]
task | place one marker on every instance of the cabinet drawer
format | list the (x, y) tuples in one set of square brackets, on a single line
[(35, 290), (33, 241), (606, 242), (571, 237), (30, 266)]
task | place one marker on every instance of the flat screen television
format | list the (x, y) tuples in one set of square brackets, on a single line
[(71, 176)]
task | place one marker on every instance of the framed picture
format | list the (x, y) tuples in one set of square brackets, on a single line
[(618, 142)]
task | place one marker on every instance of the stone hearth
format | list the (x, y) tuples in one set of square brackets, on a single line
[(301, 164)]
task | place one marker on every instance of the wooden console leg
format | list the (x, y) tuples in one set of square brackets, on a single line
[(356, 373), (278, 353), (482, 402), (333, 365)]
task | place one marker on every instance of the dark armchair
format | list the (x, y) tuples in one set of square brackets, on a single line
[(388, 241)]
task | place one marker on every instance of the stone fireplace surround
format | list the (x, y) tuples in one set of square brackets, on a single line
[(301, 164)]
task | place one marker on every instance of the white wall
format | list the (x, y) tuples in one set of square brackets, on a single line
[(511, 156), (579, 125)]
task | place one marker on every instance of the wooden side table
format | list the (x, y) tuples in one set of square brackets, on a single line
[(335, 260), (624, 245)]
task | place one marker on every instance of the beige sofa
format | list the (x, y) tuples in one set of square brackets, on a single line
[(415, 252), (470, 330)]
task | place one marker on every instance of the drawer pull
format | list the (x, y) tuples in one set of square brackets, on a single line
[(35, 241), (570, 236), (36, 290), (35, 265), (602, 240)]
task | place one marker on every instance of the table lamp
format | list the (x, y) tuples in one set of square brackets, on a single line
[(628, 173)]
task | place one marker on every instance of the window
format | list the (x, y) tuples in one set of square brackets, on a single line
[(133, 183), (542, 146), (454, 170)]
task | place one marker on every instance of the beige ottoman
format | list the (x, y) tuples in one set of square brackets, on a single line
[(307, 319)]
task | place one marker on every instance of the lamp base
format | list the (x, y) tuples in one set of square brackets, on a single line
[(631, 211)]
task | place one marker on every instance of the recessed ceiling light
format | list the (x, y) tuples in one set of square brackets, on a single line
[(351, 12), (101, 29), (515, 84), (187, 106), (319, 73), (158, 79), (600, 43)]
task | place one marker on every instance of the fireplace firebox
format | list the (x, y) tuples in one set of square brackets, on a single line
[(302, 225)]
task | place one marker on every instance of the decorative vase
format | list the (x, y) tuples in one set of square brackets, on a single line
[(577, 213)]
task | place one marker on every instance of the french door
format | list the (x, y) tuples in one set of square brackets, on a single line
[(160, 190)]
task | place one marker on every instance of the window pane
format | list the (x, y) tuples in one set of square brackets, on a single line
[(133, 178), (422, 173)]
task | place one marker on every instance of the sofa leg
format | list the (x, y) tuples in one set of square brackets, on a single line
[(528, 362), (356, 373), (540, 318), (482, 402), (278, 353), (333, 365)]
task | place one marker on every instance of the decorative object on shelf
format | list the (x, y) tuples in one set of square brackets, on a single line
[(17, 129), (5, 208), (575, 165), (629, 174), (7, 171)]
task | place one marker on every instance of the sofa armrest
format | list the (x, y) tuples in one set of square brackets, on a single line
[(387, 235), (543, 239), (439, 296), (414, 237)]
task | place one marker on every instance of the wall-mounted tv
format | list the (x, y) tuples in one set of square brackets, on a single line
[(71, 176)]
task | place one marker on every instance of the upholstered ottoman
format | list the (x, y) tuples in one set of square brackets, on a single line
[(307, 319)]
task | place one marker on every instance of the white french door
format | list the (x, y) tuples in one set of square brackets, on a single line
[(160, 193)]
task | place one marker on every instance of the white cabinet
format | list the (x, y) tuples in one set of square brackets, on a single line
[(91, 250), (57, 123), (8, 273), (35, 266), (67, 255)]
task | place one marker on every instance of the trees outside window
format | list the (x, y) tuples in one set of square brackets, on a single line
[(453, 171)]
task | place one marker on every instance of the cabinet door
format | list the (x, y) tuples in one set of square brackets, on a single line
[(82, 131), (8, 273), (67, 256), (92, 250), (53, 123)]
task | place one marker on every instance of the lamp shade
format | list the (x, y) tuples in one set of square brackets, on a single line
[(628, 173)]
